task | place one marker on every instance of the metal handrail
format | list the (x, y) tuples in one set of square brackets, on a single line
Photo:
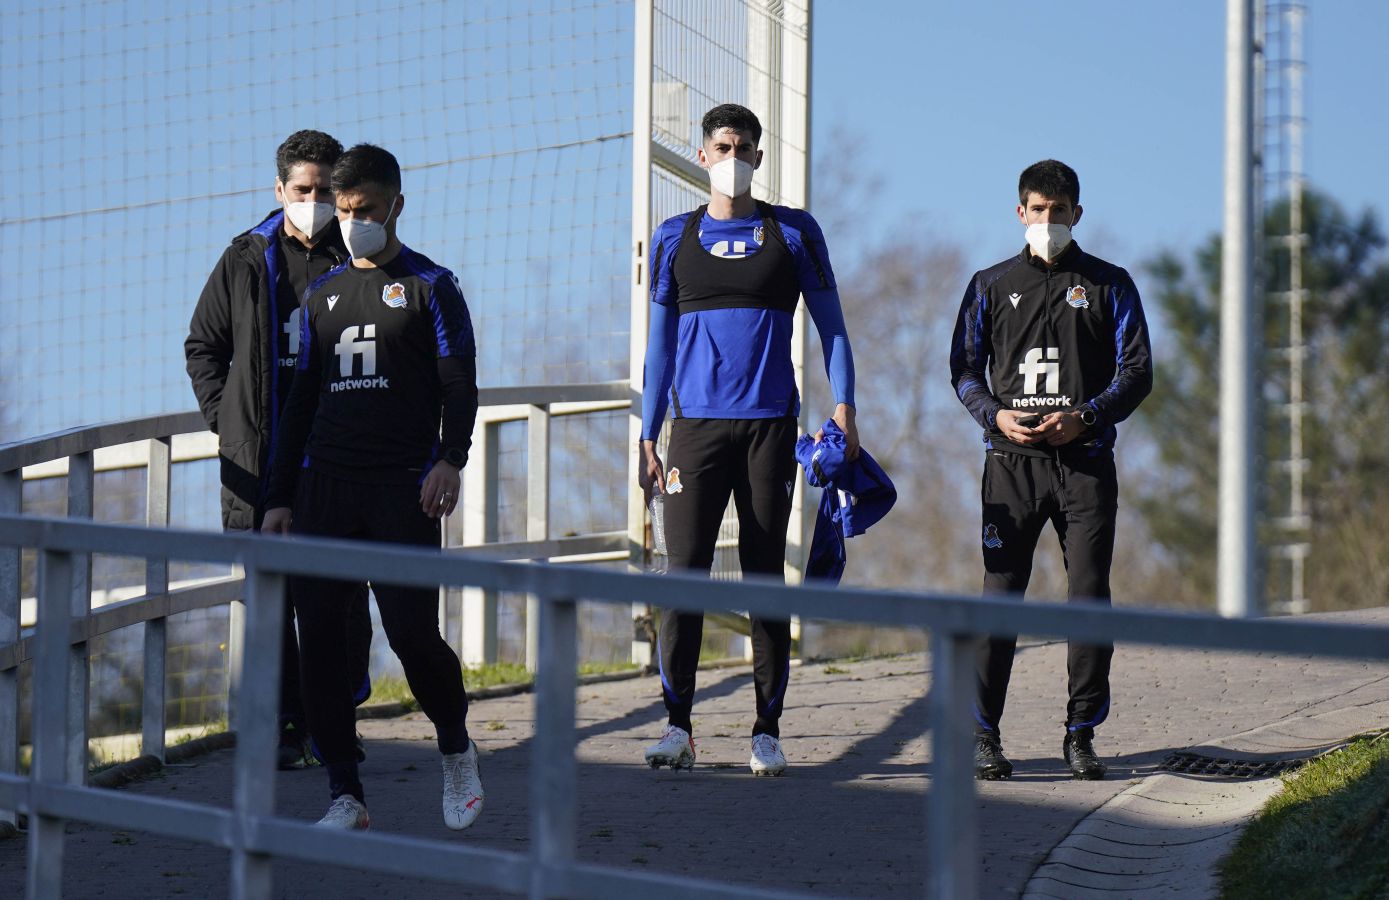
[(78, 453), (89, 438), (53, 794)]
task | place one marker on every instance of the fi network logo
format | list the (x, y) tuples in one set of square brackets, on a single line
[(1033, 367), (355, 341), (291, 331)]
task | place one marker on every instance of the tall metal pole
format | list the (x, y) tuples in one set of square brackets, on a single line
[(644, 33), (1237, 575)]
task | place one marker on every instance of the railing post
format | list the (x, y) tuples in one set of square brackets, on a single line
[(52, 722), (152, 712), (553, 767), (480, 497), (253, 795), (537, 511), (951, 821), (11, 495), (81, 503), (236, 658)]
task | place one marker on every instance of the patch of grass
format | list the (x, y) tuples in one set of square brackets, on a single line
[(493, 674), (216, 726), (495, 726), (396, 689), (1326, 835), (392, 689), (835, 670), (597, 668)]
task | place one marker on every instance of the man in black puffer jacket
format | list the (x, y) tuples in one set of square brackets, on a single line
[(241, 348)]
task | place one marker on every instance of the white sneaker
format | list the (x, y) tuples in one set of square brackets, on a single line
[(347, 813), (674, 749), (767, 758), (462, 788)]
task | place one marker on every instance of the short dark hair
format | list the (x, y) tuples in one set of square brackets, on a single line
[(1050, 178), (366, 163), (307, 146), (731, 115)]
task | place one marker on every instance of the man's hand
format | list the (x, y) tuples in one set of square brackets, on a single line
[(276, 520), (844, 417), (439, 493), (1007, 422), (1060, 428), (651, 474)]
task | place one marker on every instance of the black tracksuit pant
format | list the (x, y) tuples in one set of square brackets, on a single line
[(326, 506), (710, 459), (1078, 495), (358, 659)]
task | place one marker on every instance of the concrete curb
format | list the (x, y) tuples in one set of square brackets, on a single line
[(1169, 833)]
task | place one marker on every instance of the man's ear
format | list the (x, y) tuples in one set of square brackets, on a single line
[(758, 164), (1022, 214), (279, 191), (703, 160), (1075, 218)]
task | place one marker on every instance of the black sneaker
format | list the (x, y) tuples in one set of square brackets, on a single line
[(989, 762), (1079, 751), (295, 751)]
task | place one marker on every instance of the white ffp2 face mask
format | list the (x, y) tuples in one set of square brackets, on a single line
[(1047, 241), (309, 218), (364, 238), (731, 177)]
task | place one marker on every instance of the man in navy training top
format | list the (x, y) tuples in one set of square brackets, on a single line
[(242, 343), (1049, 353), (387, 355), (725, 281)]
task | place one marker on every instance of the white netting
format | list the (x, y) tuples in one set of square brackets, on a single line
[(708, 52), (137, 138)]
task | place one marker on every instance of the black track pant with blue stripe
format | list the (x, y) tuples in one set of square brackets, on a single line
[(1078, 495), (753, 460)]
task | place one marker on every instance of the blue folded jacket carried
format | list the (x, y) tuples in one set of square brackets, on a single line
[(855, 496)]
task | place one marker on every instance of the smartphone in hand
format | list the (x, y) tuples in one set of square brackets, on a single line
[(1031, 421)]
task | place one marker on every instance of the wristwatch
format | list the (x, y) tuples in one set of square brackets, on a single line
[(455, 457), (1087, 415)]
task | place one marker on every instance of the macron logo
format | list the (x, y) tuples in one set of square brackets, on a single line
[(349, 347)]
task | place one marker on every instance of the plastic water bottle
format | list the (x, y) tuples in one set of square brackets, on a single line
[(660, 562)]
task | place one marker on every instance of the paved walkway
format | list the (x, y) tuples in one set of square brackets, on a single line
[(848, 818)]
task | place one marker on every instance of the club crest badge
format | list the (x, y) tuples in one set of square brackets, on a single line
[(991, 538), (757, 233), (393, 295), (673, 485), (1076, 297)]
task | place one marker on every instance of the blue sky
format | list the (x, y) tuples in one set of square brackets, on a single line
[(947, 102)]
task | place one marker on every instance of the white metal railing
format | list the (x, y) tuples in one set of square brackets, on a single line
[(158, 441), (54, 793)]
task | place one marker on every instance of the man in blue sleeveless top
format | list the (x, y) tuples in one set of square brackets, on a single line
[(725, 280)]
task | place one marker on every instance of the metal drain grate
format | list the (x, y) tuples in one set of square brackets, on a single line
[(1196, 764)]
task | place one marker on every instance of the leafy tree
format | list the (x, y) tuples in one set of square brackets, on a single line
[(1346, 395)]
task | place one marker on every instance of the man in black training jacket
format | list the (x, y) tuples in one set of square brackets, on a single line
[(241, 347), (1050, 352), (386, 356)]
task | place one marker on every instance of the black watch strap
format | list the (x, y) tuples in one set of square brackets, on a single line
[(455, 457)]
